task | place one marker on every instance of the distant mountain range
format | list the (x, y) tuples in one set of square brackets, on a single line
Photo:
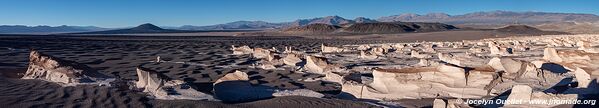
[(235, 25), (150, 28), (494, 17), (567, 22), (20, 29)]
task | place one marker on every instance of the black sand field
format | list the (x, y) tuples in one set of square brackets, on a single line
[(118, 57)]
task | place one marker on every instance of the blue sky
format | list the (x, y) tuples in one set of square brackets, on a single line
[(123, 13)]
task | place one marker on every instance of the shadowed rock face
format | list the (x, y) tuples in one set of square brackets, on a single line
[(49, 68)]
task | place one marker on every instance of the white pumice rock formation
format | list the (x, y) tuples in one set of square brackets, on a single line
[(505, 64), (316, 64), (329, 49), (439, 103), (292, 59), (426, 63), (63, 72), (471, 69), (524, 96), (449, 58), (497, 50), (413, 83), (367, 55), (241, 50), (584, 78), (520, 94), (261, 53), (449, 103), (363, 47), (585, 46), (550, 54), (379, 51), (234, 76), (160, 87), (417, 54)]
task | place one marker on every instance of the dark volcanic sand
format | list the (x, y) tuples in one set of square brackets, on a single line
[(118, 57)]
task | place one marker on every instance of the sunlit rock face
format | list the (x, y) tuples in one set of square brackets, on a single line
[(292, 59), (556, 66), (161, 87), (234, 76), (522, 95), (367, 55), (329, 49), (584, 65), (63, 72), (316, 64), (420, 82), (241, 50), (586, 47), (498, 50), (262, 53)]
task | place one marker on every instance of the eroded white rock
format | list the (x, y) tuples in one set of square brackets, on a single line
[(63, 72), (159, 87)]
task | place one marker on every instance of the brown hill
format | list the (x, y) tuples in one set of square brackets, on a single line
[(524, 29), (518, 28), (397, 27), (312, 29), (369, 28)]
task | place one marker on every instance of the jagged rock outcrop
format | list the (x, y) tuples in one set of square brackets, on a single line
[(583, 78), (585, 46), (449, 103), (328, 49), (417, 54), (506, 64), (524, 96), (261, 53), (234, 76), (316, 64), (161, 87), (379, 51), (365, 55), (439, 103), (241, 50), (292, 59), (419, 82), (498, 50), (550, 54), (63, 72), (461, 59), (426, 62), (448, 58), (363, 47), (520, 93)]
